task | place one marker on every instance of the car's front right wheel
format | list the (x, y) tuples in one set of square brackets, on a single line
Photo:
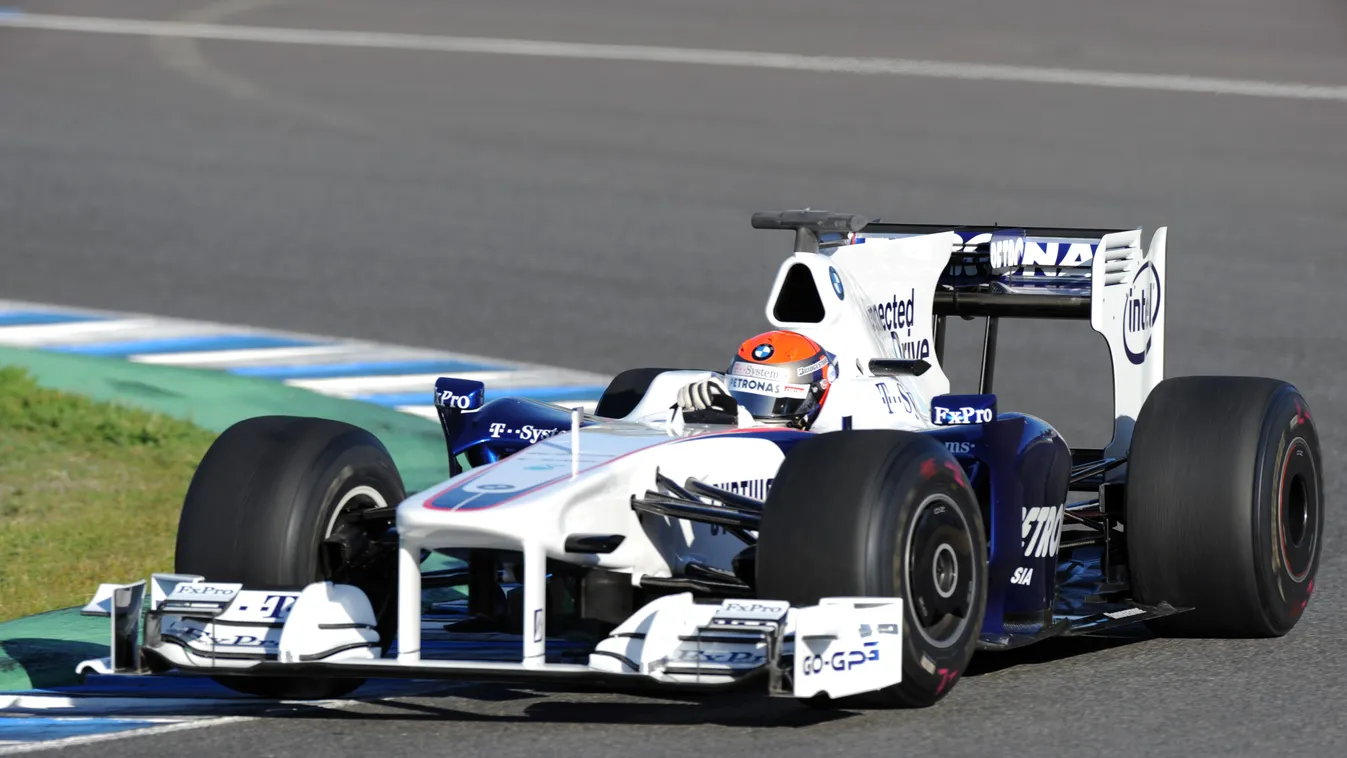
[(882, 513)]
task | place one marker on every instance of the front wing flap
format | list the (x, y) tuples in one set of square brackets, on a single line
[(840, 647)]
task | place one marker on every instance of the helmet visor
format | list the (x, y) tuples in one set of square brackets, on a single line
[(768, 407), (771, 398)]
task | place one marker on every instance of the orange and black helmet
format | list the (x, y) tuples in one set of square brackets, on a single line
[(782, 377)]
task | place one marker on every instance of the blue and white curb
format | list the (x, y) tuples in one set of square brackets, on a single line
[(392, 376)]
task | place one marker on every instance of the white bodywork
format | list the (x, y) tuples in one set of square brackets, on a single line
[(581, 482)]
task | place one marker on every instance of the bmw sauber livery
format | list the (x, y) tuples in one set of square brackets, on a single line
[(873, 550)]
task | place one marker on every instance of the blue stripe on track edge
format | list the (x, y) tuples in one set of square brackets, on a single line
[(43, 318), (42, 729)]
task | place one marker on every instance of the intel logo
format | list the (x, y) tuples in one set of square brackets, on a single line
[(1140, 313)]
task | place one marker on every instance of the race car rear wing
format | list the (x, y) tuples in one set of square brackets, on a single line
[(1046, 271), (1103, 276)]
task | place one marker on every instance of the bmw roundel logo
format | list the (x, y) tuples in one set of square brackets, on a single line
[(837, 281), (763, 352)]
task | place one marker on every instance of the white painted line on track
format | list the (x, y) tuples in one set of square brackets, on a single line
[(242, 357), (370, 385), (106, 706), (47, 334), (684, 55)]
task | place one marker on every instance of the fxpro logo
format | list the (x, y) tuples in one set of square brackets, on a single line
[(965, 415), (1140, 313), (898, 317), (771, 607), (728, 658), (448, 399), (206, 590)]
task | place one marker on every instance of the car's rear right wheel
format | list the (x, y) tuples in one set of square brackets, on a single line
[(1224, 505)]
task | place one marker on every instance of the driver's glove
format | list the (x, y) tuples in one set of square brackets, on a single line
[(700, 396)]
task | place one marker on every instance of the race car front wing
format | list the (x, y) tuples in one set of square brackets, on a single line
[(840, 647)]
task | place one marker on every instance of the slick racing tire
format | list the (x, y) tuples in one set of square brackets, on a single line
[(267, 495), (889, 514), (1224, 506)]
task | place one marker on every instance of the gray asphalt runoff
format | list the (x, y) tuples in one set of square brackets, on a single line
[(595, 215)]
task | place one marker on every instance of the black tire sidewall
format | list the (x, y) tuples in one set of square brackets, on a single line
[(1203, 496), (929, 671), (256, 512), (835, 523), (1284, 599), (257, 508), (343, 467)]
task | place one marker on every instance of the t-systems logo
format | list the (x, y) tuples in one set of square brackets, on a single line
[(1141, 312)]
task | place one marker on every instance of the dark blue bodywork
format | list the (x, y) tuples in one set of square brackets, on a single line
[(484, 432), (1016, 464)]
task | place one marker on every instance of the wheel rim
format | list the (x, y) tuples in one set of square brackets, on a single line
[(1298, 510), (939, 576), (356, 499), (347, 524)]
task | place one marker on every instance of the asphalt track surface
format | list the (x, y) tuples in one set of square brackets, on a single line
[(594, 214)]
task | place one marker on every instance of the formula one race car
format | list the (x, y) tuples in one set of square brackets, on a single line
[(870, 554)]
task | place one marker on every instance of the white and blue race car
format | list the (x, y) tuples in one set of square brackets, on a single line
[(870, 554)]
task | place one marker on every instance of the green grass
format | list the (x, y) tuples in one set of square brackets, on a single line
[(89, 492)]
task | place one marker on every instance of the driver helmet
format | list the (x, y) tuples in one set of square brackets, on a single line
[(782, 377)]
